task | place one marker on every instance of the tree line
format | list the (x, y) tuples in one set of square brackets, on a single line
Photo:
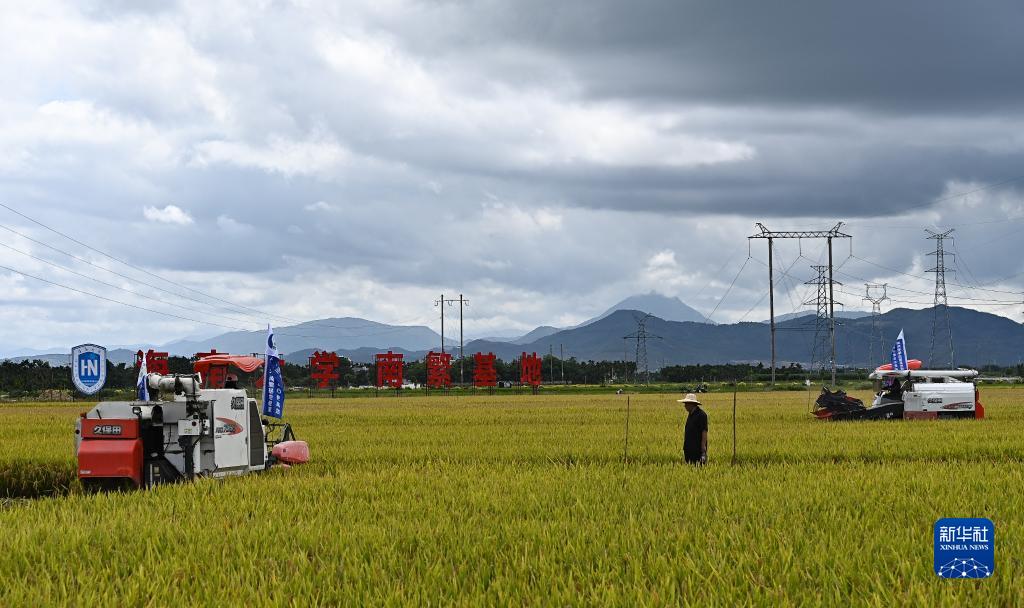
[(29, 377)]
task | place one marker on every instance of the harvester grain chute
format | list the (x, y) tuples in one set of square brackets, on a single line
[(189, 431)]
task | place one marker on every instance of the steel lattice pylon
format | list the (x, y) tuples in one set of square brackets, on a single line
[(940, 294), (641, 335), (871, 294), (821, 349)]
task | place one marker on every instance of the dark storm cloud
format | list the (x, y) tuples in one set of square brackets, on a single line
[(911, 57)]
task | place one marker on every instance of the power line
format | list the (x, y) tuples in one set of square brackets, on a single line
[(914, 276), (118, 287), (726, 294), (972, 301), (261, 315), (135, 267), (138, 281), (94, 295), (158, 312)]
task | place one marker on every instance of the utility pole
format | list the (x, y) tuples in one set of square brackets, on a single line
[(561, 362), (824, 333), (625, 366), (462, 356), (940, 293), (770, 236), (551, 364), (871, 294), (440, 302), (641, 335), (462, 302)]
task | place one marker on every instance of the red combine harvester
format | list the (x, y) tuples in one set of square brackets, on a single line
[(913, 394), (189, 430)]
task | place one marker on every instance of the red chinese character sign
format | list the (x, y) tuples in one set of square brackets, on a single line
[(529, 370), (389, 369), (484, 374), (323, 365), (156, 363), (439, 370)]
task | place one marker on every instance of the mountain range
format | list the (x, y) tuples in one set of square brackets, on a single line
[(685, 338), (979, 338)]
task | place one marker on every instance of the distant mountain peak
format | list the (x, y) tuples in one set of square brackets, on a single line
[(669, 308)]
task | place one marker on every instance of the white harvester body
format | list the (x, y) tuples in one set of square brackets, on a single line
[(198, 432), (930, 393)]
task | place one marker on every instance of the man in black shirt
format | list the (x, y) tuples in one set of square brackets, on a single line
[(695, 435)]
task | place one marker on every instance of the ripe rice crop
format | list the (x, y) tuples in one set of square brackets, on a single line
[(526, 500)]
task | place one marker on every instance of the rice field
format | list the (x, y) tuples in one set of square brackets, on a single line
[(526, 500)]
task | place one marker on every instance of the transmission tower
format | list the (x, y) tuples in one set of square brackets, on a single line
[(876, 294), (940, 293), (641, 335), (823, 348), (828, 235)]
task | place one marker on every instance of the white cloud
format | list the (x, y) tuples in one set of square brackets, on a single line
[(170, 214), (319, 206), (664, 274), (232, 226), (318, 156), (618, 136), (521, 220)]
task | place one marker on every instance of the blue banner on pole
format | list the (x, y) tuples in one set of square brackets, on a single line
[(899, 353), (141, 390), (273, 383)]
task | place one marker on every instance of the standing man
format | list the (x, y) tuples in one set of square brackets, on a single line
[(695, 435)]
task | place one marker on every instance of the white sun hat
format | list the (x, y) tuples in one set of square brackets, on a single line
[(689, 398)]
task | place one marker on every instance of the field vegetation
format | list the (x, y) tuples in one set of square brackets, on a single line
[(527, 500)]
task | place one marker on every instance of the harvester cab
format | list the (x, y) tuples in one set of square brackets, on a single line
[(187, 432)]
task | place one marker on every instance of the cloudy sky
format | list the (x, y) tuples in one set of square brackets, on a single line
[(286, 161)]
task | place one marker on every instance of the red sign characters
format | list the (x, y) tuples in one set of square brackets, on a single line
[(323, 365), (156, 363), (529, 369), (484, 374), (439, 370), (389, 369)]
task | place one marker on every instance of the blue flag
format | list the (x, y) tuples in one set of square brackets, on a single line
[(273, 384), (899, 353), (141, 389)]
